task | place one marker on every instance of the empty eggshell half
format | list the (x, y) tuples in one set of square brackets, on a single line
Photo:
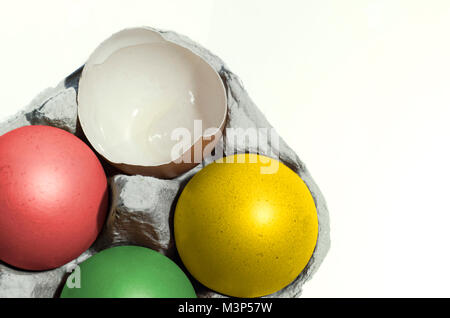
[(140, 102)]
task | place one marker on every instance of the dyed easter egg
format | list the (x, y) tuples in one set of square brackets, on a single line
[(246, 226), (128, 272), (53, 197)]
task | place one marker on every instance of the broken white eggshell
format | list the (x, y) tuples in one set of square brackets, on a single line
[(150, 106)]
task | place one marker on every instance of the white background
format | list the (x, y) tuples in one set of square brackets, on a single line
[(359, 89)]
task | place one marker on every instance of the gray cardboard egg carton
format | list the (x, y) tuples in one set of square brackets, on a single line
[(141, 208)]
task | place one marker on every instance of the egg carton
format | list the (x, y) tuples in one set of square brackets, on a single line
[(142, 208)]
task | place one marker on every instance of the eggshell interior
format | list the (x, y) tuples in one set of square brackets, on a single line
[(137, 88)]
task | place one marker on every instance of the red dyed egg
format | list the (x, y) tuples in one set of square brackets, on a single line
[(53, 197)]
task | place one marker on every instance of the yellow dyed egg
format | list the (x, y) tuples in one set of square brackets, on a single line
[(246, 226)]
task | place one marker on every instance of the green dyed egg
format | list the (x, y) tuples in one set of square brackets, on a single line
[(128, 272)]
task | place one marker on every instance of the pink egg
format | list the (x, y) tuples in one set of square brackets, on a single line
[(53, 197)]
